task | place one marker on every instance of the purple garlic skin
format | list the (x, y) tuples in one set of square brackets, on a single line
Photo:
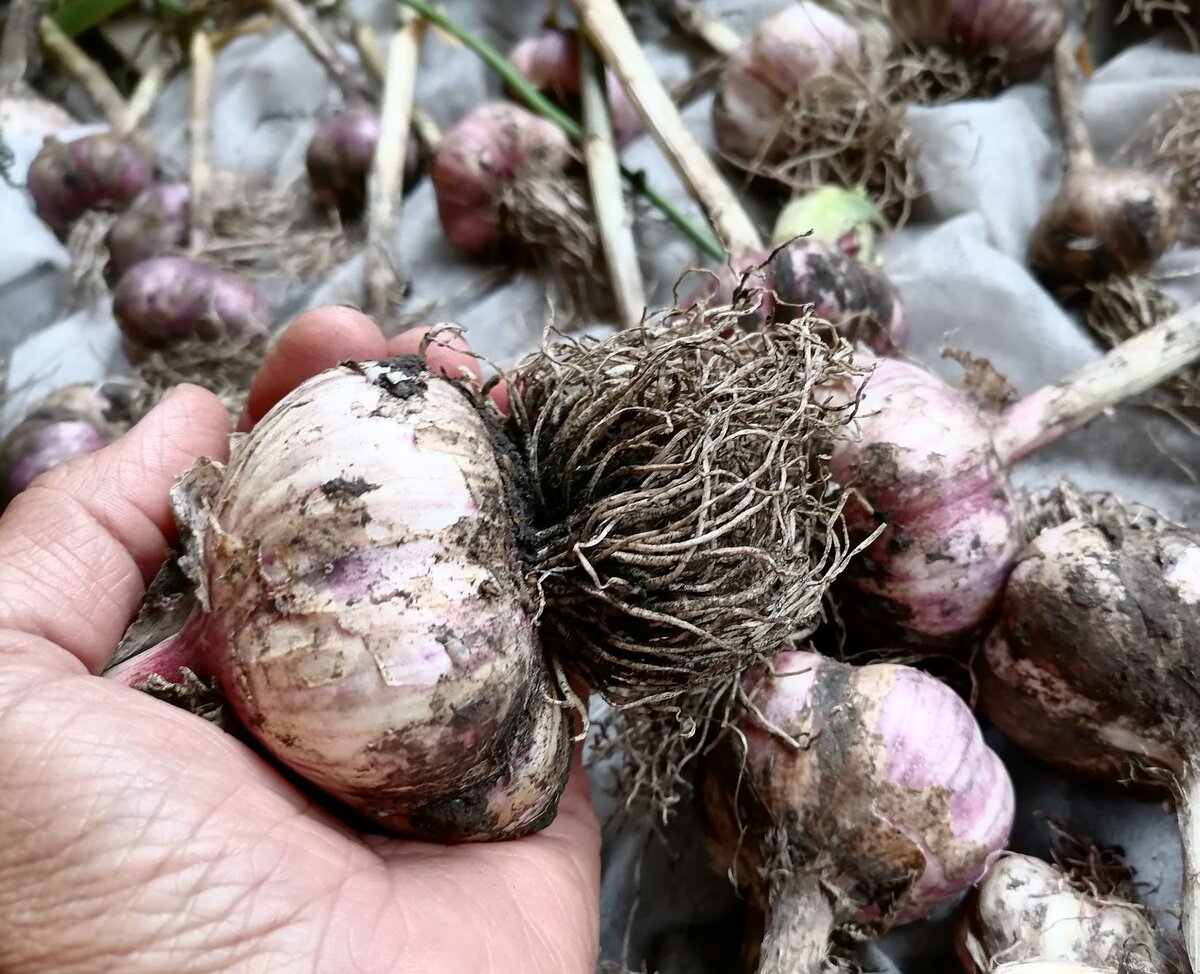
[(857, 299), (95, 172), (1025, 909), (70, 422), (551, 62), (786, 55), (339, 159), (926, 465), (893, 794), (49, 446), (166, 299), (154, 224), (368, 615), (479, 157), (1020, 33), (1087, 667)]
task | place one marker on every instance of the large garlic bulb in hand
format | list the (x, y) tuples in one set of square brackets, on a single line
[(362, 568)]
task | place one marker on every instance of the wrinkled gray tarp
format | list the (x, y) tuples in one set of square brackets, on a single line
[(990, 168)]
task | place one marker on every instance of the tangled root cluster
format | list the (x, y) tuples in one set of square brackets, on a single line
[(1169, 143), (686, 523), (1123, 307), (935, 76), (846, 131), (1049, 508), (549, 217)]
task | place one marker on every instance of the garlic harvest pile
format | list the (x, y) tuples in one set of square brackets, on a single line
[(367, 612), (862, 793)]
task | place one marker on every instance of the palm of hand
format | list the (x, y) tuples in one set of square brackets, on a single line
[(136, 838)]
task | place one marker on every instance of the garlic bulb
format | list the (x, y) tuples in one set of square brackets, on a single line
[(95, 172), (339, 158), (165, 300), (1020, 34), (1026, 909), (787, 54), (856, 299), (479, 157), (927, 467), (154, 224), (861, 793), (362, 569)]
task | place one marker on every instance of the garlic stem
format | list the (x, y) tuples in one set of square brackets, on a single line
[(366, 42), (145, 93), (1134, 366), (200, 170), (1188, 811), (539, 103), (292, 13), (1077, 143), (183, 649), (70, 57), (613, 218), (20, 28), (799, 924), (717, 34), (385, 183), (609, 31)]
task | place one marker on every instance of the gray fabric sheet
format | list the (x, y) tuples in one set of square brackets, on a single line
[(990, 168)]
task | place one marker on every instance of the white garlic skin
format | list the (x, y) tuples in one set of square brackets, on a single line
[(1025, 909), (368, 616)]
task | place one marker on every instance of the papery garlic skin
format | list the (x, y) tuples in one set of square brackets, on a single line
[(926, 465), (368, 613), (892, 794), (1021, 34), (479, 157), (340, 154), (1026, 909), (788, 52), (1085, 668)]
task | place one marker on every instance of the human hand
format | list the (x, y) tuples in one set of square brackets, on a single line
[(137, 838)]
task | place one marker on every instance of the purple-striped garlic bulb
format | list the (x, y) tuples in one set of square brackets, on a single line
[(483, 155), (550, 61), (851, 793), (787, 54), (1019, 34), (95, 172), (165, 300), (927, 468), (70, 422), (154, 224), (368, 615), (340, 154), (1025, 909), (857, 299)]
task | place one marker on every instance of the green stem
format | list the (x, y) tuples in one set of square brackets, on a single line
[(545, 107), (78, 16)]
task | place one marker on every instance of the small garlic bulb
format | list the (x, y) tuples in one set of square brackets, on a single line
[(787, 53), (1021, 34), (1026, 909)]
